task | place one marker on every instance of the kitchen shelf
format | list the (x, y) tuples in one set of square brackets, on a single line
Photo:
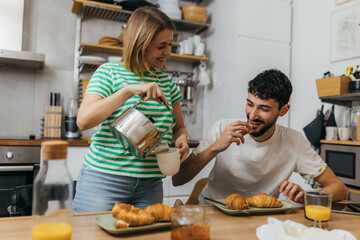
[(116, 13), (354, 143), (98, 48), (343, 99)]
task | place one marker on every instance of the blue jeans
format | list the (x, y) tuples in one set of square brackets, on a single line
[(97, 191)]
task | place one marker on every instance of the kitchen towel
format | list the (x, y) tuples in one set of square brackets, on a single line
[(290, 230), (315, 130)]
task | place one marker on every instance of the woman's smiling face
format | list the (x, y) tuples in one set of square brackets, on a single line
[(159, 48)]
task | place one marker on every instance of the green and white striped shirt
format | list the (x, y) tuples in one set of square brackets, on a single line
[(105, 153)]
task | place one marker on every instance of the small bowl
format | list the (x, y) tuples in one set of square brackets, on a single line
[(194, 13)]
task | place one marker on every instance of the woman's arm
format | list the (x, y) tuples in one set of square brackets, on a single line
[(94, 109), (180, 133)]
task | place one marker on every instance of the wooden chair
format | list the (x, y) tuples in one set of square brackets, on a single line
[(194, 195)]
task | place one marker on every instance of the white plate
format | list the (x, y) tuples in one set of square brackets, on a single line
[(92, 59), (253, 210), (106, 222)]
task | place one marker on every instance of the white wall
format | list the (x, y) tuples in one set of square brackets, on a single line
[(253, 35), (311, 57), (11, 24)]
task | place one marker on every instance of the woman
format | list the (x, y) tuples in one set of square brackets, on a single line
[(110, 173)]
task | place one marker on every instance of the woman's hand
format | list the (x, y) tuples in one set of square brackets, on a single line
[(150, 91), (183, 146)]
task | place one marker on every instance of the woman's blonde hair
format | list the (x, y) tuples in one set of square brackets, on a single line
[(143, 25)]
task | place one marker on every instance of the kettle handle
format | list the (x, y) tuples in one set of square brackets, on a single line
[(168, 108)]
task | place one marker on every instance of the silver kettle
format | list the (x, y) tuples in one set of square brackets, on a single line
[(137, 132)]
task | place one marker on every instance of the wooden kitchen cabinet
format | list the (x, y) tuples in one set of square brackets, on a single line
[(75, 158)]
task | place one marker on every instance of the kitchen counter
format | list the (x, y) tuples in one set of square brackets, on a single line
[(222, 226), (37, 142), (72, 142)]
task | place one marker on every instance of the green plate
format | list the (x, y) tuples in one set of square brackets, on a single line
[(253, 210), (106, 222)]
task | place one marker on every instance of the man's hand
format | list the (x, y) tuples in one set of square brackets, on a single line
[(292, 190), (233, 133)]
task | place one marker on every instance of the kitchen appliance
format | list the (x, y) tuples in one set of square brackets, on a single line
[(137, 131), (355, 114), (71, 129), (18, 167), (344, 161)]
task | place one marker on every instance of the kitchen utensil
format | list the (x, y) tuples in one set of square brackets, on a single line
[(318, 207), (71, 129), (331, 133), (182, 86), (344, 133), (203, 76), (199, 49), (194, 13), (106, 222), (190, 222), (354, 86), (215, 201), (169, 161), (355, 114), (136, 132)]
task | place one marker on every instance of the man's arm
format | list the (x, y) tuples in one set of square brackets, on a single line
[(328, 180), (192, 166), (332, 184), (233, 133)]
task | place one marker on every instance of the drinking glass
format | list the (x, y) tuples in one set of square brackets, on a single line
[(318, 207)]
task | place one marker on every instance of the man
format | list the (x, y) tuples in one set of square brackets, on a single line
[(264, 154)]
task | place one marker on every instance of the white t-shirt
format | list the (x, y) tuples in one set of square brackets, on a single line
[(257, 167)]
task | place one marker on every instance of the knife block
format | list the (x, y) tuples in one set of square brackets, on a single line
[(52, 123)]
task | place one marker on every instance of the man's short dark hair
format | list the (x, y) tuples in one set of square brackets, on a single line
[(271, 84)]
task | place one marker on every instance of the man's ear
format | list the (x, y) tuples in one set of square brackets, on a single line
[(284, 109)]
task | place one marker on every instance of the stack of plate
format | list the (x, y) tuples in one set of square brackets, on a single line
[(170, 8), (96, 60), (110, 41)]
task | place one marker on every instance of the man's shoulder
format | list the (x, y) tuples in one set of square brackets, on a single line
[(289, 133)]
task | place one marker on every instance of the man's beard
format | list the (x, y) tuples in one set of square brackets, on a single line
[(262, 130)]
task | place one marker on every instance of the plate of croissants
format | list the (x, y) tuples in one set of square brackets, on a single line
[(236, 204), (125, 218)]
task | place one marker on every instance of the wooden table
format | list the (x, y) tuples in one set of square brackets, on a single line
[(222, 226)]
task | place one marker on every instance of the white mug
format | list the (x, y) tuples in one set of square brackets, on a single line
[(188, 46), (199, 49), (344, 133), (331, 133), (196, 39), (169, 161)]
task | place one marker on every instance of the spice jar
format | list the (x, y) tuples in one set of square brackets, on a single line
[(52, 194), (190, 223)]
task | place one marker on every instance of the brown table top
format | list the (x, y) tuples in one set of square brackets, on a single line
[(222, 226)]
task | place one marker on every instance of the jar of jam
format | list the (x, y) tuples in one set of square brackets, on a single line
[(190, 223)]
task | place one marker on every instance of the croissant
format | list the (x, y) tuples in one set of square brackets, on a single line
[(263, 200), (236, 201), (161, 212), (132, 215), (121, 224)]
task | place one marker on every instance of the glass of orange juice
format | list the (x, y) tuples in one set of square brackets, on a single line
[(318, 207)]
